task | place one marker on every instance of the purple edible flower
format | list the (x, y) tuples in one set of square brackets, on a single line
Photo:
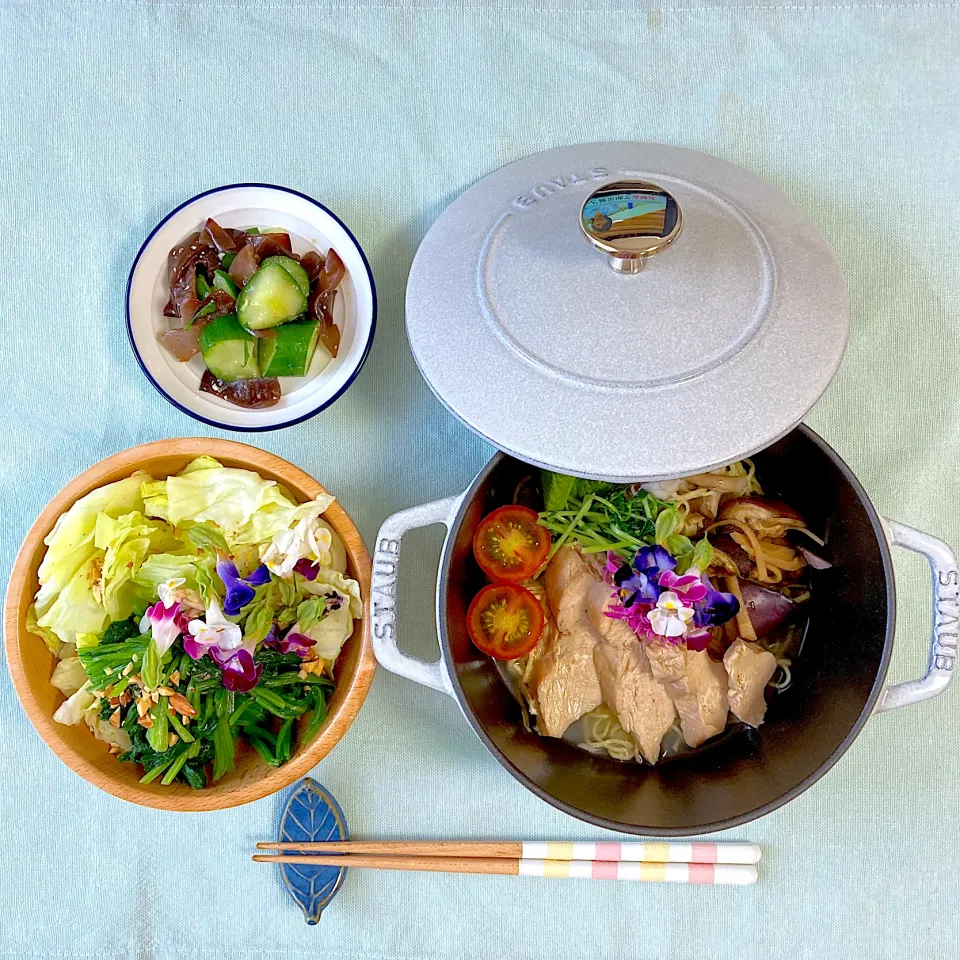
[(632, 585), (306, 568), (636, 617), (239, 589), (240, 673), (296, 642), (165, 624), (193, 648), (653, 561), (272, 639), (640, 582), (716, 608), (690, 588)]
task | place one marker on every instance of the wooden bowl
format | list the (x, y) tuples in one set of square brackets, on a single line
[(31, 663)]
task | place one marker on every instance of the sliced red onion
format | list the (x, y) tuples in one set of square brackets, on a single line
[(767, 608), (814, 559)]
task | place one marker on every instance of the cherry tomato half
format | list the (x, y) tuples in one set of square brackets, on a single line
[(505, 621), (510, 545)]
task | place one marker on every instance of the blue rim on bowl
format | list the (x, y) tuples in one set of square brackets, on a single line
[(270, 418)]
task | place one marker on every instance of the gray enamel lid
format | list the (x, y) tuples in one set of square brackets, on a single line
[(716, 348)]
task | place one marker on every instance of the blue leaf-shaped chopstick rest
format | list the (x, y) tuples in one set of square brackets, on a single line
[(312, 815)]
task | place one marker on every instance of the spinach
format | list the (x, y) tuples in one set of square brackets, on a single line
[(120, 630), (267, 717), (105, 664)]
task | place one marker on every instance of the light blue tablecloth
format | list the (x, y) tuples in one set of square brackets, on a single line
[(113, 112)]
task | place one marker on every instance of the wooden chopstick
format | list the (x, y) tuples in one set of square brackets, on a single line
[(635, 852), (739, 874)]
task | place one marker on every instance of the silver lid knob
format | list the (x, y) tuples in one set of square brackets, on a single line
[(629, 221)]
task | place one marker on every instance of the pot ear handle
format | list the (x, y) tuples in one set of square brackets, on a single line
[(946, 618), (383, 616)]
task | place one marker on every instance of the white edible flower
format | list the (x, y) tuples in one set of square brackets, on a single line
[(166, 590), (670, 616), (216, 630), (172, 591), (306, 540)]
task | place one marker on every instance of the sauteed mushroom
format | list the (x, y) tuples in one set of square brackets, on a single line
[(730, 558), (767, 517)]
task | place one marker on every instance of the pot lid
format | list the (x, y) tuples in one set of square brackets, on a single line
[(626, 311)]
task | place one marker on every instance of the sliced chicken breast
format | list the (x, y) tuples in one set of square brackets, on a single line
[(564, 677), (669, 666), (703, 711), (698, 686), (643, 706), (749, 669)]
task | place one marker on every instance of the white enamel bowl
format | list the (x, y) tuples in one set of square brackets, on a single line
[(311, 226)]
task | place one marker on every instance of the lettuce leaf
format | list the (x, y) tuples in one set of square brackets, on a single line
[(70, 544), (76, 614), (126, 541), (69, 676), (225, 496), (332, 581), (260, 612), (205, 536), (557, 490), (311, 612), (668, 523), (102, 730), (198, 573), (52, 641), (72, 709), (330, 633)]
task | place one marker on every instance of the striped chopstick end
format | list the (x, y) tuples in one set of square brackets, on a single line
[(737, 874), (641, 852)]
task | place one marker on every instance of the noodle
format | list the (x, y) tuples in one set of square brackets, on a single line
[(743, 618), (716, 481), (811, 535), (522, 670), (602, 732), (784, 664), (777, 554)]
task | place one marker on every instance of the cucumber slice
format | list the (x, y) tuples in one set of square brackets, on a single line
[(203, 288), (223, 282), (271, 297), (290, 352), (229, 351), (227, 259), (295, 271)]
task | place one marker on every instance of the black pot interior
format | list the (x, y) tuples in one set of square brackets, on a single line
[(744, 772)]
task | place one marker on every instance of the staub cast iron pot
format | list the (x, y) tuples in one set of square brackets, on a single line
[(838, 680), (723, 320)]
